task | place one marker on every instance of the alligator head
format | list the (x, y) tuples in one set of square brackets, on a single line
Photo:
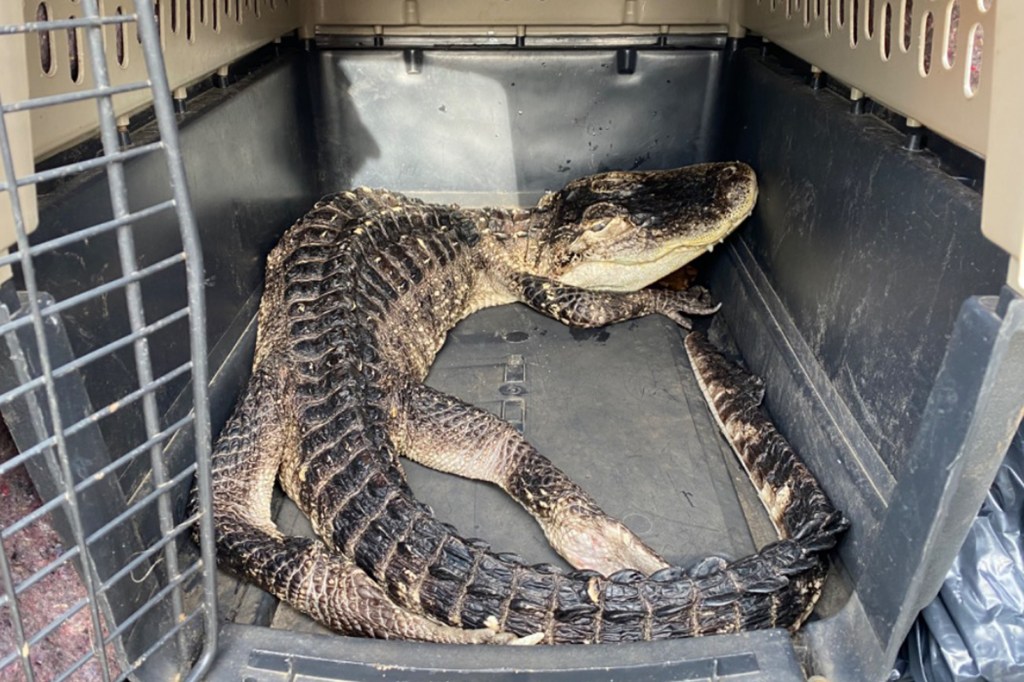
[(621, 231)]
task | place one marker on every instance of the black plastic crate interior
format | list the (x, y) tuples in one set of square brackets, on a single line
[(846, 289)]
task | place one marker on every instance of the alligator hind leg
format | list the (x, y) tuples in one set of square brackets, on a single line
[(301, 571), (444, 433)]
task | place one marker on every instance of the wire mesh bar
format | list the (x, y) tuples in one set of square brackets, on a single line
[(93, 231), (149, 552), (158, 493), (81, 486), (52, 504), (102, 351), (82, 166), (73, 552), (60, 24), (148, 389), (52, 626), (89, 232), (91, 419), (46, 570), (75, 667), (30, 518), (166, 637), (140, 622), (172, 585), (21, 649), (129, 456), (133, 293), (89, 294), (57, 621), (164, 110), (28, 273), (69, 97), (70, 554)]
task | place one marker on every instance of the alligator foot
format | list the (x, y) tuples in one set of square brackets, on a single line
[(600, 543), (676, 305), (446, 434)]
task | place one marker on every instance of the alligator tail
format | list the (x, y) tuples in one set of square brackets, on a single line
[(461, 582), (795, 500)]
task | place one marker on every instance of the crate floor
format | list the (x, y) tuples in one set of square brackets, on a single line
[(617, 408)]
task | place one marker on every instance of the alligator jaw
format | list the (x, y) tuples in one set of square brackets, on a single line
[(653, 226), (626, 275)]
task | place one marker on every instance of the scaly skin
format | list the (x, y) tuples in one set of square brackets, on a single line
[(359, 296)]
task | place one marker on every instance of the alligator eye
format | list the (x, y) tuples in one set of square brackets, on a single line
[(598, 227), (601, 210)]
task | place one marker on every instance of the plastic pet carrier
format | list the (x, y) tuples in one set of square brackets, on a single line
[(154, 151)]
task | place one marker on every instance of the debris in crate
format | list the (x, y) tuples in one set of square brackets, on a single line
[(359, 296), (683, 278), (28, 551)]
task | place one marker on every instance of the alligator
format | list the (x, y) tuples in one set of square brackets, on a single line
[(359, 296)]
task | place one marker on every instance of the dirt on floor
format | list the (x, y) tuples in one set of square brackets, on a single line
[(29, 551)]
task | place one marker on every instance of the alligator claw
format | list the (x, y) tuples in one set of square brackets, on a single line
[(491, 633), (509, 638), (675, 305), (697, 300), (528, 640)]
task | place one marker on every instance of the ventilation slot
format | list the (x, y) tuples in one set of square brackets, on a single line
[(46, 62), (927, 36), (74, 55), (973, 73), (854, 23), (921, 58), (120, 51), (887, 32), (952, 25), (907, 16)]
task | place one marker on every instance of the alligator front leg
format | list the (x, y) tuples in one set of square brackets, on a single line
[(446, 434), (586, 308)]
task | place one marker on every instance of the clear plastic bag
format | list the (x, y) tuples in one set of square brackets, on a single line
[(974, 628)]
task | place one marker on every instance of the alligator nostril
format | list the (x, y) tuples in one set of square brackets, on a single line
[(729, 171)]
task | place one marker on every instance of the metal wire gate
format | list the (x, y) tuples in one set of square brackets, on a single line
[(146, 596)]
